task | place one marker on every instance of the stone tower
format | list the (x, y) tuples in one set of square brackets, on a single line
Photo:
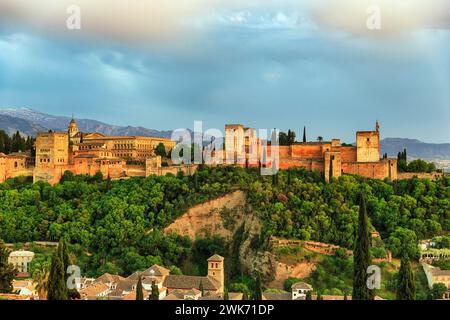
[(73, 128), (368, 145), (216, 270)]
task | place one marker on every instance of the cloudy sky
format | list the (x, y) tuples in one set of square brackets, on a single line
[(164, 63)]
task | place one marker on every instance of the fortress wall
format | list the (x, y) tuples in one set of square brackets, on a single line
[(2, 169), (420, 175), (374, 170), (308, 164), (284, 151), (307, 151), (348, 154)]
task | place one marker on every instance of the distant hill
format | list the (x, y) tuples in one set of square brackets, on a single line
[(415, 148), (29, 122)]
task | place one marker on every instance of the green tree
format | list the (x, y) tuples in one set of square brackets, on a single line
[(438, 291), (283, 139), (225, 295), (421, 166), (65, 257), (304, 134), (406, 288), (361, 255), (155, 292), (290, 137), (160, 150), (56, 285), (139, 290), (258, 287), (7, 271), (308, 295), (202, 290)]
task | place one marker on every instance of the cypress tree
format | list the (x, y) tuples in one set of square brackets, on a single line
[(64, 252), (406, 288), (202, 290), (361, 256), (65, 257), (108, 183), (225, 296), (56, 286), (258, 288), (304, 134), (155, 292), (330, 173), (139, 290), (7, 271)]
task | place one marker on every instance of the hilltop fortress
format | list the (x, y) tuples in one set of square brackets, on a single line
[(331, 158), (127, 156)]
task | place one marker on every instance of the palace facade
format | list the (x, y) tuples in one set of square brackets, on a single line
[(129, 156)]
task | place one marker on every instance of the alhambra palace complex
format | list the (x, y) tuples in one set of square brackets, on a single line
[(89, 153)]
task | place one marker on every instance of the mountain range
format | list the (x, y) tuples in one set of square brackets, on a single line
[(29, 122)]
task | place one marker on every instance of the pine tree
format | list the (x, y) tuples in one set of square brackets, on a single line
[(56, 286), (406, 288), (304, 134), (7, 271), (139, 290), (361, 256), (155, 292)]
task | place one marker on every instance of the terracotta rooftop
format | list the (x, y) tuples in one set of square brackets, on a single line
[(190, 282), (157, 269), (216, 257), (94, 290), (132, 295), (277, 296), (301, 286), (439, 272), (109, 278), (172, 296)]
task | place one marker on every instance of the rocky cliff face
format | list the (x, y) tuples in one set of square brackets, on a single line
[(214, 217), (231, 218)]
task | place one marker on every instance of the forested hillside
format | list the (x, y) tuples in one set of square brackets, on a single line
[(115, 226)]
